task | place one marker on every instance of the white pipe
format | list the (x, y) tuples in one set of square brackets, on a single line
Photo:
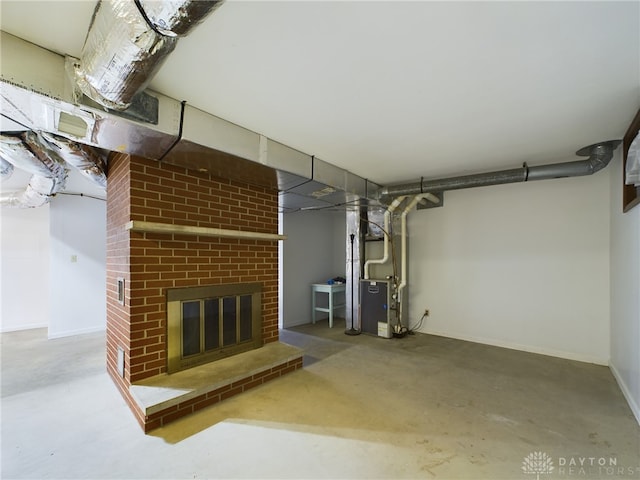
[(387, 217), (403, 238)]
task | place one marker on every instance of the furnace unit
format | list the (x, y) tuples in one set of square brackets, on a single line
[(375, 307)]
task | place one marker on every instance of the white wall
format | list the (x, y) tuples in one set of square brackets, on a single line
[(24, 279), (313, 252), (625, 292), (523, 266), (78, 265)]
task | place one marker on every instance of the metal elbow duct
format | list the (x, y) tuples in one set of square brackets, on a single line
[(127, 44), (37, 193), (600, 155), (29, 153), (41, 189)]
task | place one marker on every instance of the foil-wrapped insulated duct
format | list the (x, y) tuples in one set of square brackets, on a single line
[(127, 43), (29, 152), (6, 169), (121, 54), (87, 160), (177, 17), (37, 193)]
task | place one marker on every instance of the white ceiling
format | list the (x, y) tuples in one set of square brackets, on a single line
[(395, 91)]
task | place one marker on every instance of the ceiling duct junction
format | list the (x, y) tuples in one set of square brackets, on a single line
[(49, 173), (47, 158), (37, 95)]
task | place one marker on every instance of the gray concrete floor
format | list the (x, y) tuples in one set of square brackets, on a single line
[(363, 407)]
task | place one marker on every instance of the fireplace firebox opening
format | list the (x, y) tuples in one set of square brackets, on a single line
[(210, 322)]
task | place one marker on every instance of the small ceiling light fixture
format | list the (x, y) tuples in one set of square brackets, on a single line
[(323, 193)]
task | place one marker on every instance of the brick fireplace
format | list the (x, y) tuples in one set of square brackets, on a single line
[(142, 266)]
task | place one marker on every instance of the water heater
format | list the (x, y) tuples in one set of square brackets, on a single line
[(375, 303)]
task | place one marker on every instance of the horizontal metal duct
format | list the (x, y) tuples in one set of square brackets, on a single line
[(599, 154), (37, 95)]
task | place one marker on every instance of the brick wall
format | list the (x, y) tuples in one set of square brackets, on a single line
[(118, 208), (188, 407), (147, 190)]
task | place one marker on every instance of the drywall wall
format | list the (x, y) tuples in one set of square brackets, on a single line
[(524, 266), (625, 292), (78, 265), (24, 291), (313, 252)]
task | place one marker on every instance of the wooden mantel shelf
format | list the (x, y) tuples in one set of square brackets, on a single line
[(167, 228)]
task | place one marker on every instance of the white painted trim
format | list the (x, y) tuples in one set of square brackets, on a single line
[(81, 331), (24, 327), (635, 408), (524, 348)]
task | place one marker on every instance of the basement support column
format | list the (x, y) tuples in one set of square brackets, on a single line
[(353, 268)]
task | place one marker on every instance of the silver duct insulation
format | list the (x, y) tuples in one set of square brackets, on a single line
[(177, 17), (128, 42), (6, 169), (28, 152), (600, 155), (87, 160), (37, 193), (121, 54), (49, 174), (34, 95)]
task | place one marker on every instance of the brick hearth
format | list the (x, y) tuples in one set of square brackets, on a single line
[(165, 398)]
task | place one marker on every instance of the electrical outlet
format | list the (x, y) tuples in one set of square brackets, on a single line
[(426, 312)]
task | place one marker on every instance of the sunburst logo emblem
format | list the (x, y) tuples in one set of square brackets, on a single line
[(537, 463)]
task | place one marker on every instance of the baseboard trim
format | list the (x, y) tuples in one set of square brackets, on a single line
[(524, 348), (23, 327), (81, 331), (633, 405)]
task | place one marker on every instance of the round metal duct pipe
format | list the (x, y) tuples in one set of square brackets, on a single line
[(600, 155), (6, 169), (176, 17), (127, 43), (87, 160), (49, 174)]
